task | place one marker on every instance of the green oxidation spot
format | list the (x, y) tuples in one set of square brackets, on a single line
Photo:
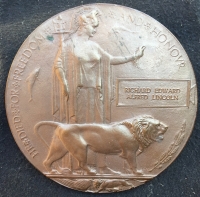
[(50, 38)]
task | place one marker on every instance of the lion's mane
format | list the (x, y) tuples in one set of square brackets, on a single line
[(141, 128)]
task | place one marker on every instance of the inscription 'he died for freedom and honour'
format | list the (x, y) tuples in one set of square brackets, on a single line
[(153, 93)]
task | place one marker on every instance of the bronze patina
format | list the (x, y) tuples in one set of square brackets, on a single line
[(101, 98)]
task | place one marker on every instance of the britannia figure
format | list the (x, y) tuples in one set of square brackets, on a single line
[(82, 88)]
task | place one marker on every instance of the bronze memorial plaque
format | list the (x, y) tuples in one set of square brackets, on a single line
[(101, 98)]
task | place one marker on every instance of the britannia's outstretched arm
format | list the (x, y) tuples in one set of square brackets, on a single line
[(115, 60)]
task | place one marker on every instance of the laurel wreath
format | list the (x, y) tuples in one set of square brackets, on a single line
[(167, 156)]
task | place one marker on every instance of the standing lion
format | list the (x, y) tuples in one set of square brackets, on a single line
[(127, 139)]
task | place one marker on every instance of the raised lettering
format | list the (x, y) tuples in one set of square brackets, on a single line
[(169, 46), (27, 53), (139, 22), (14, 99), (23, 60), (33, 45), (156, 32), (162, 38), (174, 53)]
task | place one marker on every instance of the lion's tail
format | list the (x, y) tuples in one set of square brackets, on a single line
[(51, 123), (39, 124)]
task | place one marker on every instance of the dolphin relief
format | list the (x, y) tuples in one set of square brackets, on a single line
[(30, 80)]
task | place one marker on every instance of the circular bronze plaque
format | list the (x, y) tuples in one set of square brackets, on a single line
[(101, 98)]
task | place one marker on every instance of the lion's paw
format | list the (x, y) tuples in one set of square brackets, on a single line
[(53, 171), (91, 172), (138, 172)]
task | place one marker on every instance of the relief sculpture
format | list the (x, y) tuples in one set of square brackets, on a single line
[(33, 76), (82, 87), (96, 95), (126, 139), (81, 107), (167, 156), (84, 135)]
